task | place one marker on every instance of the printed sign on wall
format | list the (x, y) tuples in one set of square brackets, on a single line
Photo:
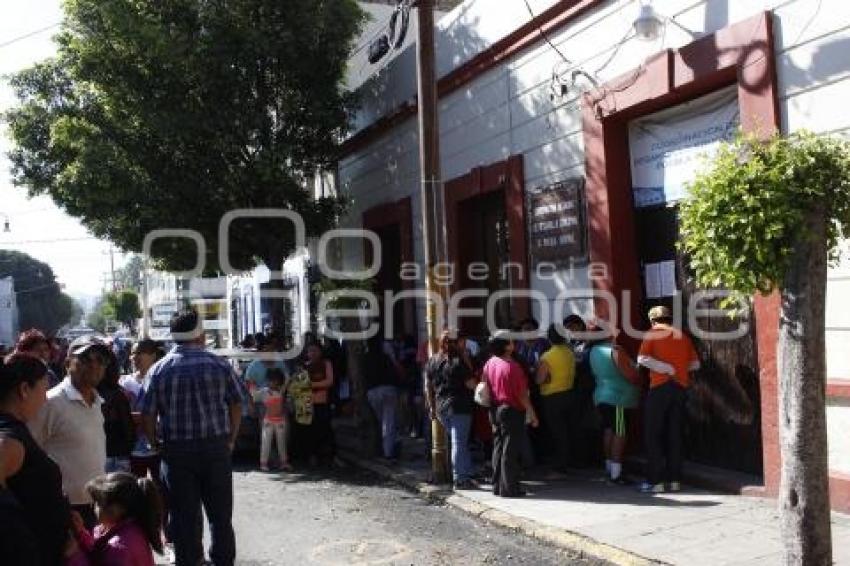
[(669, 148), (556, 223)]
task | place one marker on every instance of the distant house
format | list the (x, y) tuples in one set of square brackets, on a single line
[(8, 312)]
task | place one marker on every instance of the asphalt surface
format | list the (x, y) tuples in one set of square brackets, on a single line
[(348, 516)]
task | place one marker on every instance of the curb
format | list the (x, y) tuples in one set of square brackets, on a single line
[(561, 538)]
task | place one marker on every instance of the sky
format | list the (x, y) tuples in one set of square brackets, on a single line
[(37, 227)]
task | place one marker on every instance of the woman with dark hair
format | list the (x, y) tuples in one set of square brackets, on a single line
[(449, 386), (321, 375), (144, 354), (510, 403), (556, 378), (31, 476), (129, 515), (117, 418), (35, 343)]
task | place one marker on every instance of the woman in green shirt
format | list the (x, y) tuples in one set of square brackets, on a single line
[(614, 371)]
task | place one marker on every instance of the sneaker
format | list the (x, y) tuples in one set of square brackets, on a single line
[(674, 486), (647, 487), (619, 481)]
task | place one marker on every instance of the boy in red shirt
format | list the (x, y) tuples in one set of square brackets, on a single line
[(670, 357)]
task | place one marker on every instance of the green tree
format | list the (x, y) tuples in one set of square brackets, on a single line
[(102, 314), (170, 114), (124, 306), (41, 302), (769, 216)]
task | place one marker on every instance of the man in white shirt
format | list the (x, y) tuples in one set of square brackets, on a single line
[(70, 425)]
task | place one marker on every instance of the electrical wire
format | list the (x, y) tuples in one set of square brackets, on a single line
[(48, 241), (28, 35), (545, 36)]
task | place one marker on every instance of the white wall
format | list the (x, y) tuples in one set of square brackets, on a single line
[(837, 424), (508, 110)]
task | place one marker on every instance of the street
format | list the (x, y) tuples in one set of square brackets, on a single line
[(348, 516)]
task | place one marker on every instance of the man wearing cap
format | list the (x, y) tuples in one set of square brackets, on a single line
[(70, 425), (670, 357), (197, 398)]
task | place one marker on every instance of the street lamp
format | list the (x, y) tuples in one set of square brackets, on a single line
[(6, 227)]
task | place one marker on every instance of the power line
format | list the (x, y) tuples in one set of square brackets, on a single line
[(545, 36), (28, 35), (48, 241)]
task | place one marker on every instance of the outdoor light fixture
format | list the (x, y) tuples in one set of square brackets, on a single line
[(648, 24), (6, 227)]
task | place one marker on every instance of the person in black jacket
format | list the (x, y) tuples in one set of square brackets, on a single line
[(117, 419), (32, 478), (450, 384), (381, 379)]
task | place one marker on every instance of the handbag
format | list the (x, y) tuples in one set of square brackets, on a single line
[(482, 394)]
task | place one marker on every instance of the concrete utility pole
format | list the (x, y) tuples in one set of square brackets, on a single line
[(433, 225)]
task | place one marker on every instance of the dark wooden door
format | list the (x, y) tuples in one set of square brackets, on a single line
[(483, 238), (389, 277), (724, 421)]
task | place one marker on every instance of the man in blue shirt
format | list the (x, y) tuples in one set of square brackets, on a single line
[(197, 398)]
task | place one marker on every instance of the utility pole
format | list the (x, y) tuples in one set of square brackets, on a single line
[(112, 268), (433, 225)]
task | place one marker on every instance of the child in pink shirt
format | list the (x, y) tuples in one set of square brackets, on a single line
[(129, 512), (275, 422)]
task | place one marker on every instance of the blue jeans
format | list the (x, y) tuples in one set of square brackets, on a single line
[(195, 473), (457, 426), (384, 400)]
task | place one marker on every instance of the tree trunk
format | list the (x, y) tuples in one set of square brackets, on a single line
[(804, 490)]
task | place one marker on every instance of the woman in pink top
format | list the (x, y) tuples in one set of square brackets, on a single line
[(128, 510), (509, 405)]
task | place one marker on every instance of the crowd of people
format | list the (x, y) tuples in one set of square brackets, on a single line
[(107, 466), (554, 398)]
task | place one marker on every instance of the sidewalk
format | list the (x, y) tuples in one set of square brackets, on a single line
[(584, 513)]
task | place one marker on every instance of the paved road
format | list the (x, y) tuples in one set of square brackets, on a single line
[(349, 517)]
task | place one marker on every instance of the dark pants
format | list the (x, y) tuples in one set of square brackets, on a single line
[(507, 447), (664, 417), (198, 473), (563, 420), (321, 436)]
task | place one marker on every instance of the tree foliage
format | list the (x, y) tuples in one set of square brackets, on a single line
[(117, 306), (169, 114), (747, 210), (125, 306), (41, 302)]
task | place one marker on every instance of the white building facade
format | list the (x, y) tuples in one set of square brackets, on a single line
[(553, 113)]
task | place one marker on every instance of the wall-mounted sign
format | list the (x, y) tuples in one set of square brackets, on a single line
[(669, 148), (556, 223)]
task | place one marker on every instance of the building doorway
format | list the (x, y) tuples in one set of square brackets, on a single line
[(724, 422), (483, 240), (485, 221), (392, 223)]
